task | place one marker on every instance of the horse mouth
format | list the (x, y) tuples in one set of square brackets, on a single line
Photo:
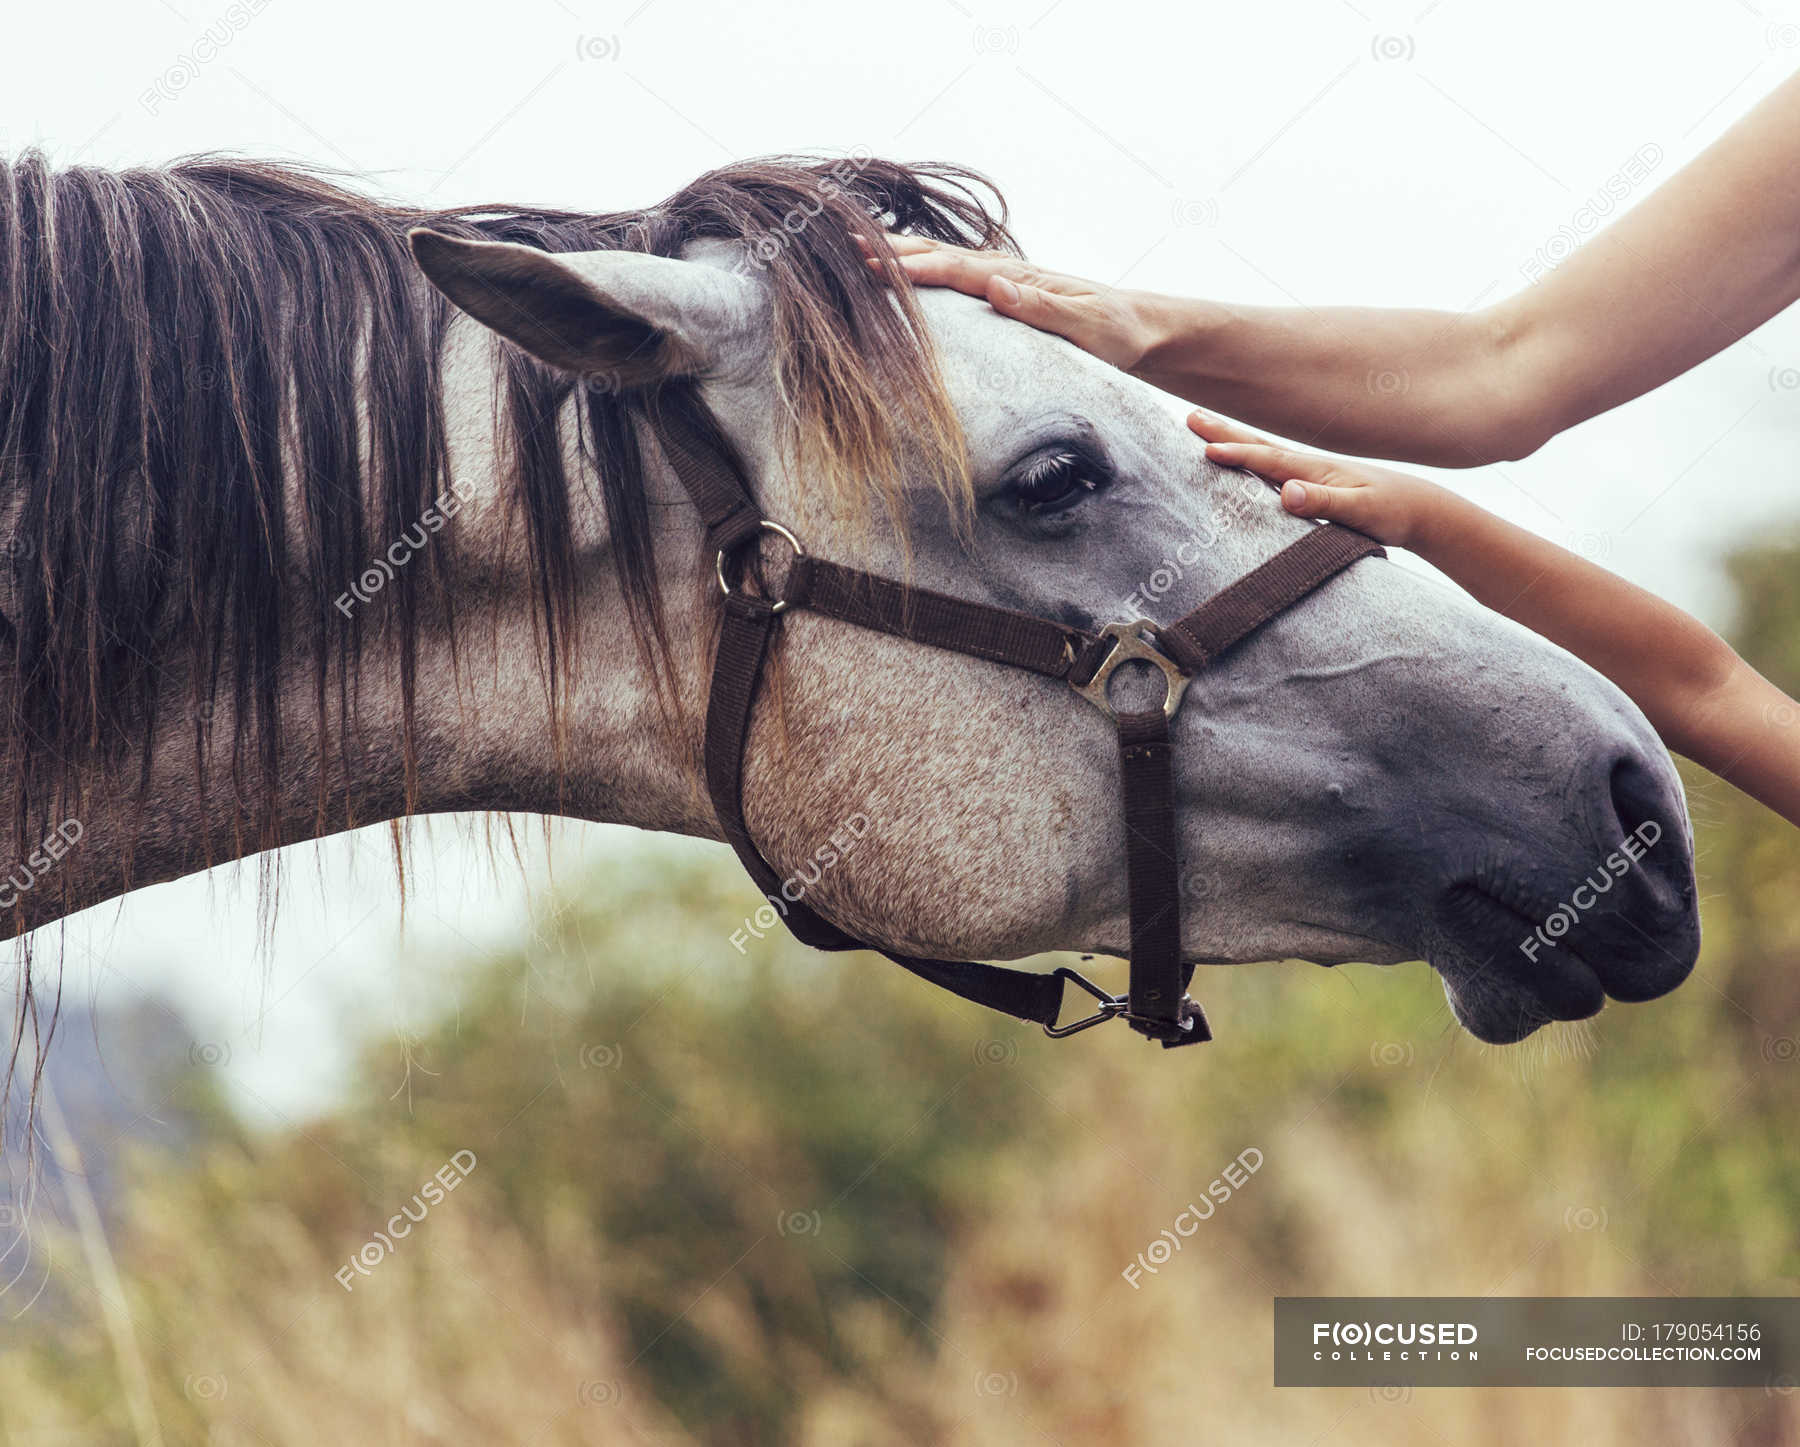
[(1503, 978)]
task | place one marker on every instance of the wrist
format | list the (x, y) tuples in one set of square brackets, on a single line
[(1430, 517), (1166, 331)]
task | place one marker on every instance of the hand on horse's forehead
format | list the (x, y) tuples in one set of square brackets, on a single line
[(1102, 320)]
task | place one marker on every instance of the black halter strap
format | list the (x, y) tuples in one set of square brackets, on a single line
[(1156, 1003)]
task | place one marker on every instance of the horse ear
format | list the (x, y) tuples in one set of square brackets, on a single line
[(631, 318)]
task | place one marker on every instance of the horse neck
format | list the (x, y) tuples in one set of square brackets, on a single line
[(486, 737)]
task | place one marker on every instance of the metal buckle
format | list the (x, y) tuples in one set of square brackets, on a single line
[(1189, 1028), (1110, 1005), (1131, 646), (776, 605)]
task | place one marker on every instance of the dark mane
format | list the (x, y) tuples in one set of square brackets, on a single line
[(172, 339)]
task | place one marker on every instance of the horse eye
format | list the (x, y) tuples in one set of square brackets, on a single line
[(1056, 482)]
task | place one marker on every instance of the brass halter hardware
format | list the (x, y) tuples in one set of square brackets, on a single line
[(1131, 645), (779, 605)]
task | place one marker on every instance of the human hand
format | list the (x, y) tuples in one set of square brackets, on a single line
[(1391, 507), (1110, 323)]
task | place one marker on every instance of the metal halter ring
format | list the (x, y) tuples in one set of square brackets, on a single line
[(1130, 646), (780, 604), (1111, 1006)]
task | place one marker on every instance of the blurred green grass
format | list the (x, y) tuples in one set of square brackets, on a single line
[(794, 1198)]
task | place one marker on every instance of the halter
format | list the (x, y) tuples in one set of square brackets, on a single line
[(1156, 1003)]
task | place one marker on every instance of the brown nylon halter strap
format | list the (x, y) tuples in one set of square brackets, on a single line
[(712, 483), (1159, 980), (1265, 592), (981, 630), (1157, 1004), (748, 630)]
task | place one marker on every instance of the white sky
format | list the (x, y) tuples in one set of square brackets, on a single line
[(1281, 151)]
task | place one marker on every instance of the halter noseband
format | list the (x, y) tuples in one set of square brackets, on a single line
[(1156, 1003)]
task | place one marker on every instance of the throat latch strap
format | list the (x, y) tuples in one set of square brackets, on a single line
[(748, 631)]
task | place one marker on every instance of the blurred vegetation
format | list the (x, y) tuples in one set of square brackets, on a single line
[(793, 1198)]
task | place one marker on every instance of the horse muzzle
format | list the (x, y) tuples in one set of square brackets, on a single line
[(1527, 932)]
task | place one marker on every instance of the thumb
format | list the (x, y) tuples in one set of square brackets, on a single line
[(1315, 500)]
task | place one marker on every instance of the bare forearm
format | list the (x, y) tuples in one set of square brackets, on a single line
[(1707, 257), (1428, 386), (1421, 386), (1703, 700), (1650, 648), (1747, 731)]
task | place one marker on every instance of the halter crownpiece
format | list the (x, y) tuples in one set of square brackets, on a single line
[(1156, 1003)]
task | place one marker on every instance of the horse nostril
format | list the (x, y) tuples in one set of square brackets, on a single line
[(1643, 820), (1638, 798), (1642, 937)]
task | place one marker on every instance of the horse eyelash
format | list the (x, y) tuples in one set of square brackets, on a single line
[(1046, 465), (1092, 477)]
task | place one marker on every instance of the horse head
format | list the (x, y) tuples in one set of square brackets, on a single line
[(1386, 772)]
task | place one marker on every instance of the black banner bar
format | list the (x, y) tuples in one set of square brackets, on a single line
[(1538, 1341)]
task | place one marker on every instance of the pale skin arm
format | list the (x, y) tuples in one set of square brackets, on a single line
[(1704, 700), (1710, 255)]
